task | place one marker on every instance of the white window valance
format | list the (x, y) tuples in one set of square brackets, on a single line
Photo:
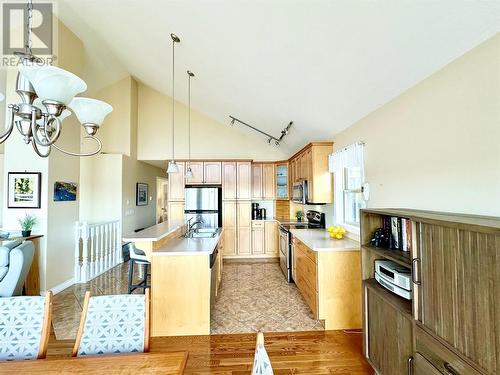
[(348, 157)]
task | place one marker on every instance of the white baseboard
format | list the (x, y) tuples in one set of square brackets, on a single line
[(59, 288)]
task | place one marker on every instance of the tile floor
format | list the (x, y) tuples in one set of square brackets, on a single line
[(253, 297)]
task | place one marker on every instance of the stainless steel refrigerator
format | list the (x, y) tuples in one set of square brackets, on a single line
[(204, 204)]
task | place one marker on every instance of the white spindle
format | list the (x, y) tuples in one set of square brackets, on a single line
[(77, 252), (93, 263), (85, 237)]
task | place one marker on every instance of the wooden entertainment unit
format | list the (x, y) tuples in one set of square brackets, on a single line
[(452, 325)]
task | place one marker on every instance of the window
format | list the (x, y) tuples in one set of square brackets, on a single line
[(348, 168)]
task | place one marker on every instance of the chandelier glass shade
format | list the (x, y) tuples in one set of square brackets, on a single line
[(52, 83)]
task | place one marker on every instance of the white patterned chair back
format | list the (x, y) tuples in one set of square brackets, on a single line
[(24, 327), (261, 362), (113, 324)]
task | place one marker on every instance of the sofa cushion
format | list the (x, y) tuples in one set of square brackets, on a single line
[(4, 256), (3, 272)]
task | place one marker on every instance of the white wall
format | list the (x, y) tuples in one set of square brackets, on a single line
[(436, 146), (209, 139)]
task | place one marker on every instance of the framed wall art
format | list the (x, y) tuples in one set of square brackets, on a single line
[(24, 190), (141, 194), (65, 191)]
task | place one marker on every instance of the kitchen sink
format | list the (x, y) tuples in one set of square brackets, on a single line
[(203, 233)]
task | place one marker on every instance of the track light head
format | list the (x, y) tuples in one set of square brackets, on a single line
[(277, 144), (269, 141), (190, 73), (175, 38), (232, 122)]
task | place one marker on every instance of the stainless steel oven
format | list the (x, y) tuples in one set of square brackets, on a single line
[(285, 253)]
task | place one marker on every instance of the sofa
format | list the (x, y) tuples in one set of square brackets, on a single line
[(15, 262)]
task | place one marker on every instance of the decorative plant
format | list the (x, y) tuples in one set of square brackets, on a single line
[(28, 222), (299, 215)]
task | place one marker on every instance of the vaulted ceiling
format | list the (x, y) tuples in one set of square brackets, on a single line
[(322, 63)]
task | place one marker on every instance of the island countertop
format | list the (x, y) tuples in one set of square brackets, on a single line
[(154, 233), (189, 246), (320, 240)]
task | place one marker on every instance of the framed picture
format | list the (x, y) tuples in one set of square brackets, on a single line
[(23, 190), (141, 194), (65, 191)]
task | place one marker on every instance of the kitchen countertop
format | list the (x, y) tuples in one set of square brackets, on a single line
[(154, 233), (320, 240), (188, 246)]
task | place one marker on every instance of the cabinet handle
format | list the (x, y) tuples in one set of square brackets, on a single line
[(410, 365), (450, 369), (414, 271)]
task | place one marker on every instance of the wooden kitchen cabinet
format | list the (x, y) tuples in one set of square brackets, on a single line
[(257, 181), (258, 240), (212, 172), (268, 181), (283, 179), (311, 164), (176, 212), (325, 279), (229, 214), (271, 231), (244, 180), (244, 240), (244, 214), (389, 333), (230, 245), (197, 168), (176, 184), (229, 180)]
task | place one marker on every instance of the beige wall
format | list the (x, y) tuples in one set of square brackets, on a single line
[(209, 139), (437, 146)]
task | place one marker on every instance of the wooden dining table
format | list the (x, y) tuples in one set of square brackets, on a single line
[(171, 363)]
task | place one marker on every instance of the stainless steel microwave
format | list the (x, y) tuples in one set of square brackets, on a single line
[(299, 192)]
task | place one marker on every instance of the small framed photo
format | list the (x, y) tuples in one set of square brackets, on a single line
[(141, 194), (24, 190), (65, 191)]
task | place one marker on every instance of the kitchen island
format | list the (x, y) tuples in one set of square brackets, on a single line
[(185, 276)]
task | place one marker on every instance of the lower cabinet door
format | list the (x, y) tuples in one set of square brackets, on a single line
[(421, 366), (229, 242), (389, 336), (258, 241), (244, 241)]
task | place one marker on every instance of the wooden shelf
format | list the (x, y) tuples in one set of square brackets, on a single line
[(399, 303), (397, 256)]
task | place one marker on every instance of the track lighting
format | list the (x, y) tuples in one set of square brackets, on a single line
[(270, 138)]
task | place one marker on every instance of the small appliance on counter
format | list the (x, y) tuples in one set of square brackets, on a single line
[(255, 211), (394, 277), (262, 214)]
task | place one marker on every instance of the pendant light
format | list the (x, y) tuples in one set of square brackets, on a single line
[(172, 166), (189, 172)]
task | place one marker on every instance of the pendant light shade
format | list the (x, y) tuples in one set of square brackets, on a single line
[(172, 167), (189, 173), (52, 83), (2, 97)]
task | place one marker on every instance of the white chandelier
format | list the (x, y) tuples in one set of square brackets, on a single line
[(47, 95)]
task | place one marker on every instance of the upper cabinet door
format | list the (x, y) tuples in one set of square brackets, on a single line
[(244, 181), (268, 181), (176, 183), (197, 168), (282, 179), (229, 181), (256, 181), (212, 173)]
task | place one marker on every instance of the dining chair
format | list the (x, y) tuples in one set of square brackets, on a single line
[(261, 362), (113, 324), (25, 327)]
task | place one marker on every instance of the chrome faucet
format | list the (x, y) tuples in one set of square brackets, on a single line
[(190, 226)]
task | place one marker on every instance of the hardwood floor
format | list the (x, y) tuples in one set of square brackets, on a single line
[(312, 353)]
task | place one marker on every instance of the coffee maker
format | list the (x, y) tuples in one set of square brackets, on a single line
[(255, 211)]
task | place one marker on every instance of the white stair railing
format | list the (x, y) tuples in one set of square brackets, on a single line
[(98, 248)]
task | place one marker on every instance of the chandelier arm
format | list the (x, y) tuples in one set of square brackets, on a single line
[(46, 141), (8, 132), (39, 153), (99, 144)]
